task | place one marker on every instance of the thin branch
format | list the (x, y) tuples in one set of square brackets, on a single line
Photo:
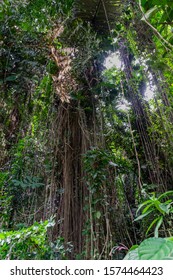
[(154, 29)]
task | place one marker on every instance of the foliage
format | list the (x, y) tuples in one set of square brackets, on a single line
[(27, 243), (96, 164), (157, 208), (119, 121), (106, 177), (5, 199), (21, 183), (152, 249), (32, 243)]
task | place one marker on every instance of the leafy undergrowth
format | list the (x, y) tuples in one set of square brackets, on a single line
[(31, 243)]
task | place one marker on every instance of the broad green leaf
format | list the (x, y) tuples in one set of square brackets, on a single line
[(152, 249), (132, 255), (155, 249)]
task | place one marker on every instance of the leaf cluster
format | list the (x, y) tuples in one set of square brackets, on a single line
[(157, 207), (27, 243)]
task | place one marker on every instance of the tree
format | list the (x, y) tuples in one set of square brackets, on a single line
[(70, 150)]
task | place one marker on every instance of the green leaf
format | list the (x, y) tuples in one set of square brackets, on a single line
[(143, 204), (152, 249), (143, 215), (157, 205), (149, 13), (153, 222), (132, 255), (147, 207), (155, 249), (11, 78), (133, 247), (165, 208), (165, 194), (156, 232), (2, 235), (98, 214)]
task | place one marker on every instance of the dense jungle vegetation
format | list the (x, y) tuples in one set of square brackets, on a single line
[(86, 127)]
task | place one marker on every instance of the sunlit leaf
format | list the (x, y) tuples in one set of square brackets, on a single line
[(159, 223), (143, 215), (149, 13)]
